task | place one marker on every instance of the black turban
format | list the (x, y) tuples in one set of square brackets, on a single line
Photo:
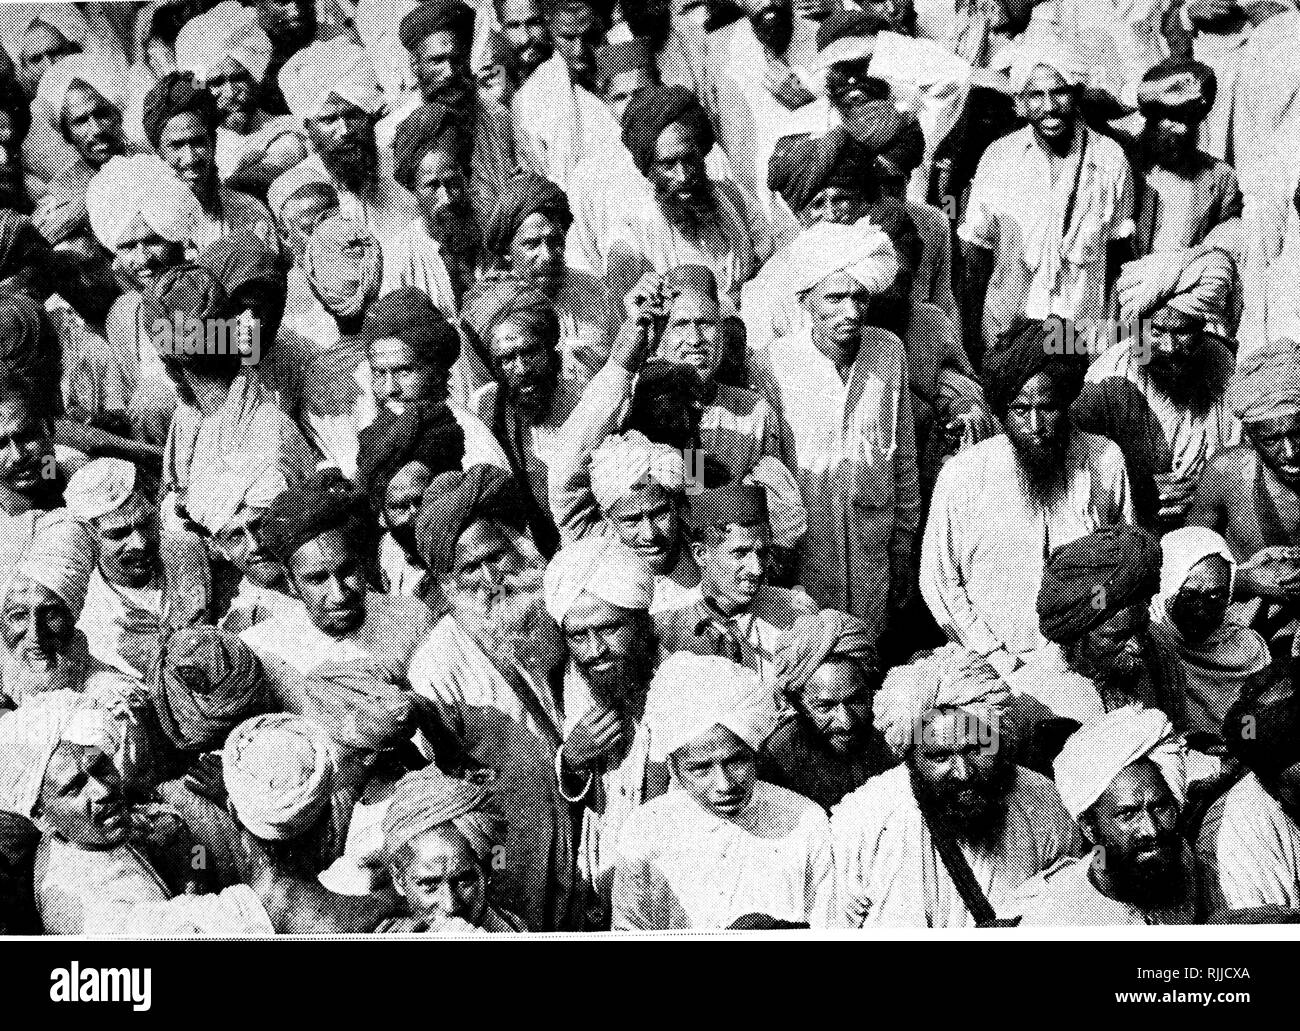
[(493, 301), (901, 143), (18, 106), (523, 194), (1192, 111), (1262, 728), (240, 259), (454, 500), (1026, 350), (849, 25), (427, 434), (652, 110), (31, 358), (410, 316), (185, 296), (22, 247), (205, 684), (1087, 581), (436, 16), (306, 511), (172, 95), (427, 128), (802, 166)]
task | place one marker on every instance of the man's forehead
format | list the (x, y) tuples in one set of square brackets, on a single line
[(1137, 783), (27, 593), (647, 499), (134, 509), (716, 745), (590, 611)]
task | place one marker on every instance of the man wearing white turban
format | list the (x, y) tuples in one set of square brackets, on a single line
[(842, 394), (766, 850), (1123, 780), (958, 793)]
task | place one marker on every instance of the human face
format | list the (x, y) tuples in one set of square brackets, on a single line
[(525, 28), (82, 799), (26, 447), (340, 130), (718, 770), (772, 21), (1135, 822), (301, 215), (441, 68), (400, 378), (42, 46), (677, 169), (1114, 647), (92, 125), (441, 189), (1048, 104), (576, 35), (837, 703), (402, 501), (484, 558), (836, 205), (839, 306), (142, 255), (190, 149), (38, 626), (291, 24), (959, 766), (236, 94), (526, 365), (239, 542), (1278, 442), (646, 521), (330, 581), (1169, 141), (1036, 418), (1173, 336), (693, 334), (537, 252), (440, 878), (128, 543), (1201, 604), (11, 162), (622, 87), (733, 570), (605, 642)]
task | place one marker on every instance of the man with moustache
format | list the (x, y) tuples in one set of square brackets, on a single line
[(291, 27), (524, 26), (1001, 507), (1123, 778)]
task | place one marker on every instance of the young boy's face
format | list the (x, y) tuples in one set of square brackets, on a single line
[(82, 799)]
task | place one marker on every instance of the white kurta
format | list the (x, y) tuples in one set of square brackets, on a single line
[(680, 866), (1249, 851), (82, 891), (118, 621)]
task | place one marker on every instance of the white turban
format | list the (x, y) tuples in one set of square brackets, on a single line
[(99, 487), (626, 461), (239, 480), (950, 678), (65, 19), (1048, 53), (1181, 550), (143, 187), (60, 558), (279, 773), (228, 30), (1096, 753), (786, 514), (603, 567), (691, 694), (861, 250), (28, 737), (95, 71), (335, 67)]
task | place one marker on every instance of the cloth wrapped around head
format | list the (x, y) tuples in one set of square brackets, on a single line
[(494, 301), (827, 248), (427, 128), (30, 351), (207, 682), (241, 259), (22, 247), (453, 500), (427, 799), (626, 461), (1186, 91), (228, 30), (423, 433), (1047, 54), (89, 69), (29, 736), (407, 314), (896, 138), (1196, 284), (628, 55), (279, 774), (432, 16), (691, 694), (99, 487), (819, 638), (365, 704), (1262, 728), (846, 35), (60, 557), (1028, 349), (344, 265), (1181, 551), (802, 166), (603, 567), (306, 511), (334, 67), (950, 678), (175, 94), (188, 295), (140, 187), (1096, 753), (1266, 383), (654, 109), (241, 479), (524, 194), (1088, 580)]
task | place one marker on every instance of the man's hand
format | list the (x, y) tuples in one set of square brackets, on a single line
[(645, 304), (1272, 573), (1176, 496), (1210, 12), (599, 731), (206, 778)]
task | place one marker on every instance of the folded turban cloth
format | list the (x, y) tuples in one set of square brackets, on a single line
[(407, 314), (427, 128), (188, 295), (143, 187), (241, 259), (1262, 728), (1266, 383), (1088, 580), (522, 195), (29, 736), (786, 514), (802, 166), (365, 704), (22, 247), (899, 144), (816, 639), (626, 461), (286, 186), (1179, 103), (172, 95), (950, 678), (229, 30), (334, 67), (691, 694), (1096, 753), (861, 250), (453, 500), (603, 567), (279, 773), (88, 69), (99, 487), (241, 479), (1195, 284), (1028, 349), (494, 301), (436, 16), (344, 265), (304, 512), (654, 109), (844, 35), (1181, 551), (891, 216), (1045, 53), (426, 434), (427, 799), (60, 558), (30, 350), (629, 55), (207, 683)]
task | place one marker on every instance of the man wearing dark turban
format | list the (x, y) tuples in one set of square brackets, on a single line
[(456, 503), (528, 196), (206, 683), (832, 171)]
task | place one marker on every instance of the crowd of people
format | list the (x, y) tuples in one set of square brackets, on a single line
[(563, 465)]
